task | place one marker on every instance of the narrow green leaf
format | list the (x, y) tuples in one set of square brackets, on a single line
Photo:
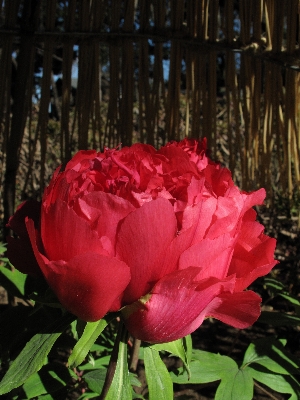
[(278, 319), (274, 285), (279, 383), (2, 248), (88, 395), (188, 346), (160, 385), (271, 354), (120, 388), (206, 367), (51, 378), (90, 334), (176, 348), (32, 357), (134, 380), (293, 300), (197, 375), (95, 380), (101, 362), (237, 385), (46, 397), (13, 280)]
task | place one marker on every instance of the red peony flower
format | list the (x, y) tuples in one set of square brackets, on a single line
[(164, 235)]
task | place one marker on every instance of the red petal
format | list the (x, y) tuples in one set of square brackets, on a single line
[(239, 309), (249, 265), (20, 254), (30, 209), (19, 250), (199, 217), (143, 240), (80, 158), (66, 235), (176, 307), (212, 256), (104, 211), (88, 285)]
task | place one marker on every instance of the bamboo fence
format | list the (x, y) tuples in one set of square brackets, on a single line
[(150, 71)]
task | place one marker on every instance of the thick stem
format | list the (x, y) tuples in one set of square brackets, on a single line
[(113, 361), (134, 358)]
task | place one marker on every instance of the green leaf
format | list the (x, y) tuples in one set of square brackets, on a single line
[(209, 367), (188, 346), (160, 385), (271, 354), (90, 334), (235, 385), (179, 348), (274, 285), (206, 367), (120, 388), (278, 319), (293, 300), (101, 362), (279, 383), (95, 380), (13, 281), (2, 248), (51, 378), (134, 380), (88, 395), (33, 356)]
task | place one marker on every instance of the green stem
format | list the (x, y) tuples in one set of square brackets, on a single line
[(122, 333)]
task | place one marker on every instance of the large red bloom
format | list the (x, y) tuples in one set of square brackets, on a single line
[(164, 235)]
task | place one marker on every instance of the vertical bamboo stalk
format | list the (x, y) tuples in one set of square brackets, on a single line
[(173, 97), (158, 95), (47, 81), (112, 124), (67, 64), (20, 106), (127, 81)]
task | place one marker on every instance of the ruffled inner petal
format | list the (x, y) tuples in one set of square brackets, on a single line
[(212, 256)]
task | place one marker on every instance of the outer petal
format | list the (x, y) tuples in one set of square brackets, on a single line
[(30, 209), (89, 285), (66, 235), (249, 265), (20, 254), (81, 160), (142, 242), (239, 309), (177, 306), (19, 249), (253, 253)]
